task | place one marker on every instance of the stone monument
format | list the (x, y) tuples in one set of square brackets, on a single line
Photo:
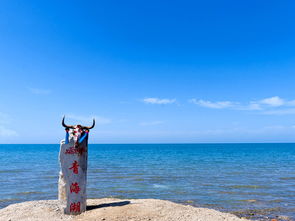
[(73, 157)]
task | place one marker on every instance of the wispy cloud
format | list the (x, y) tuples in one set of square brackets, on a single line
[(6, 132), (252, 106), (280, 111), (210, 104), (88, 119), (39, 91), (273, 101), (153, 100), (271, 129), (152, 123), (4, 118), (270, 106)]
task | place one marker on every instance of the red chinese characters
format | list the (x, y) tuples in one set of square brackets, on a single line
[(75, 207), (75, 167), (74, 188), (75, 150)]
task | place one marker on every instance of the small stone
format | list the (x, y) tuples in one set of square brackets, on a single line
[(189, 201), (284, 218), (251, 201)]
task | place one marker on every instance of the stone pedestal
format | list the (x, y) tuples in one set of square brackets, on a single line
[(73, 176)]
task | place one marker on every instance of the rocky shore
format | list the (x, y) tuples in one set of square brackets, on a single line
[(108, 209)]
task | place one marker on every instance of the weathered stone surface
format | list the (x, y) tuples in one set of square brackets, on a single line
[(73, 176)]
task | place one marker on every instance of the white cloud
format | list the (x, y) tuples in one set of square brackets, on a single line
[(39, 91), (251, 106), (215, 105), (269, 106), (273, 101), (153, 100), (6, 132), (262, 104), (88, 119), (152, 123), (274, 105)]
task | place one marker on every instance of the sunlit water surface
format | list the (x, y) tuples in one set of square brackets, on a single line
[(257, 180)]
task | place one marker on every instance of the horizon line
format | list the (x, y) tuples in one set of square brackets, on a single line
[(156, 143)]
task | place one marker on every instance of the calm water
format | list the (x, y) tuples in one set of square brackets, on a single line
[(250, 178)]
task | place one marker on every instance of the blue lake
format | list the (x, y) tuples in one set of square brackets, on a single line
[(257, 178)]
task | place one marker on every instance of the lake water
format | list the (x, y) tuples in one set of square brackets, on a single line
[(253, 180)]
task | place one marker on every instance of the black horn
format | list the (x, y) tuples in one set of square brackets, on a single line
[(66, 126), (88, 128)]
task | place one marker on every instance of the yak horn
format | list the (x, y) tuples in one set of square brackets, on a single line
[(66, 126), (88, 128)]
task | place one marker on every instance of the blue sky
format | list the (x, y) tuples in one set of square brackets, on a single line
[(149, 72)]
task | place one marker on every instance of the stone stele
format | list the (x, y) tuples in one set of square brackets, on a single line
[(73, 174)]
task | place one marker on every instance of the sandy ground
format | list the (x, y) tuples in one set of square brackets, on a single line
[(108, 209)]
